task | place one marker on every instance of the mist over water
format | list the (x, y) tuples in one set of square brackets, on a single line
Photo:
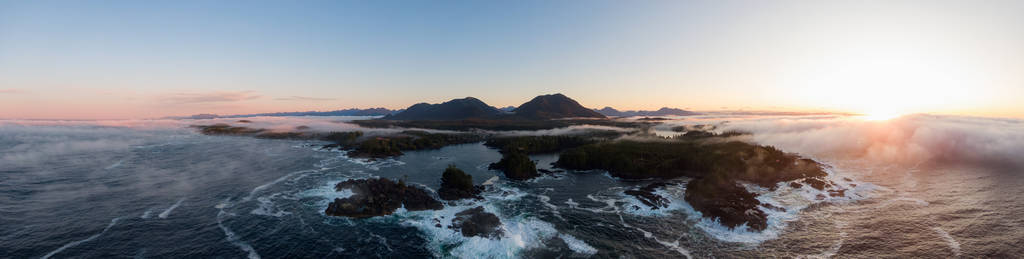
[(920, 186)]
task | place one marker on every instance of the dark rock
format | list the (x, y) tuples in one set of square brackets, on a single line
[(477, 222), (718, 168), (456, 184), (646, 195), (378, 197), (837, 193), (816, 183), (772, 207), (795, 185), (731, 204)]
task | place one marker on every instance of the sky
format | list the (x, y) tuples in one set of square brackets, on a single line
[(149, 59)]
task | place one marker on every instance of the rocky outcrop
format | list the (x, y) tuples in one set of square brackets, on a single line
[(456, 184), (647, 196), (516, 166), (379, 197), (726, 201), (477, 222), (718, 169)]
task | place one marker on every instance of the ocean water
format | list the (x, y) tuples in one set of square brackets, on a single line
[(156, 192)]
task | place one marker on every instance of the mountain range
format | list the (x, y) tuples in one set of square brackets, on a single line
[(544, 107), (457, 109), (664, 111)]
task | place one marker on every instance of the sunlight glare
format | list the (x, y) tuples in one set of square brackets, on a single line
[(882, 115)]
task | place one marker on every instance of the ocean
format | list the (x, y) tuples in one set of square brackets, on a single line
[(161, 190)]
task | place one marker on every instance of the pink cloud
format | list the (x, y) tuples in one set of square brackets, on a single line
[(11, 91), (211, 97), (303, 98)]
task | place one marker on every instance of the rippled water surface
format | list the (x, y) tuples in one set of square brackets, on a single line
[(123, 192)]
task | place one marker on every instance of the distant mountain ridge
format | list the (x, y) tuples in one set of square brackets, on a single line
[(552, 106), (346, 112), (457, 109), (664, 111)]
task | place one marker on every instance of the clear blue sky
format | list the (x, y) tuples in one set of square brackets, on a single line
[(125, 59)]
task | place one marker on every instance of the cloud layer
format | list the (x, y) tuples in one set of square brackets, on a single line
[(212, 97), (908, 140), (303, 98), (11, 91)]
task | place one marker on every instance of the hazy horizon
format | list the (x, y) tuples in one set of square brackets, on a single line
[(123, 59), (810, 129)]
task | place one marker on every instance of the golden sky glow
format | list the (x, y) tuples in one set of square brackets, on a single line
[(81, 60)]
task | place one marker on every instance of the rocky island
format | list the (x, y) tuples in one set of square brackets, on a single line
[(379, 197), (716, 167)]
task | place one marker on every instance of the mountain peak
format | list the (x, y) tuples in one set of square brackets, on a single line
[(554, 106), (455, 109)]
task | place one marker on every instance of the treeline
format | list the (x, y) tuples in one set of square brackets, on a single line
[(764, 165), (393, 145), (515, 161), (516, 165), (358, 144), (538, 144), (497, 124)]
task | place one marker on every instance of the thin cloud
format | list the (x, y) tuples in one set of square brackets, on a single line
[(908, 140), (11, 91), (212, 97), (303, 98)]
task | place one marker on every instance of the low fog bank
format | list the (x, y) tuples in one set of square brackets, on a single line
[(909, 140), (27, 142), (571, 130), (22, 144)]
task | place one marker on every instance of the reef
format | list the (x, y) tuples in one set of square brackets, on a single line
[(379, 197), (477, 222), (719, 169), (647, 196)]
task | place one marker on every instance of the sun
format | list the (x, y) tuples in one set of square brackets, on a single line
[(881, 115)]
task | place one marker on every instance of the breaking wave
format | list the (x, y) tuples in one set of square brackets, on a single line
[(79, 242)]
